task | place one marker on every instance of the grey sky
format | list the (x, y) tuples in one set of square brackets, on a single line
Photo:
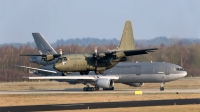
[(57, 19)]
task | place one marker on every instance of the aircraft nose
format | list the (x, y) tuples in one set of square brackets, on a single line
[(54, 66), (184, 74)]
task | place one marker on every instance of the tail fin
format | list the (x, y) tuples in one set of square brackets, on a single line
[(42, 44), (127, 39)]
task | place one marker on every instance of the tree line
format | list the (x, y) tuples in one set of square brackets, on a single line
[(186, 56)]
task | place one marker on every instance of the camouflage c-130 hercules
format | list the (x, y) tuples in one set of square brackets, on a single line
[(97, 61)]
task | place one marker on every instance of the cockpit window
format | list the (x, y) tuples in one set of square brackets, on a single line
[(179, 69), (64, 58), (61, 59)]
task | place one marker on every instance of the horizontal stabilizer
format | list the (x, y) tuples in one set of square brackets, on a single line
[(43, 55), (44, 70)]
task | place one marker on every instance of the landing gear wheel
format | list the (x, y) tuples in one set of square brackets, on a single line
[(96, 88), (96, 72), (82, 73), (162, 88), (87, 72), (84, 89), (90, 88), (101, 72)]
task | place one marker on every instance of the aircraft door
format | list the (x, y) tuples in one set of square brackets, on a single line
[(167, 71)]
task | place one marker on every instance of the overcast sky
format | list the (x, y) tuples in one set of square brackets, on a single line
[(64, 19)]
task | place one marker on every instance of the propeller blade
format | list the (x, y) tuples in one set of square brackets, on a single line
[(96, 62)]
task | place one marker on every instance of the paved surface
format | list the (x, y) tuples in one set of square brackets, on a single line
[(79, 91), (99, 105)]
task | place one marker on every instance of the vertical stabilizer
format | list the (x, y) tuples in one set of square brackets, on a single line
[(127, 39), (42, 44)]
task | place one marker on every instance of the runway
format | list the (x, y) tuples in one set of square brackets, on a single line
[(99, 105), (80, 91)]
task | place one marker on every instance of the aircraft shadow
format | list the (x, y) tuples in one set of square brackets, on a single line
[(99, 105)]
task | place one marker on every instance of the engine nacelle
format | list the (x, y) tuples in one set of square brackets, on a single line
[(135, 84), (104, 83), (48, 57)]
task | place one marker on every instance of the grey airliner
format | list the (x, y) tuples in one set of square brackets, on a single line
[(129, 73)]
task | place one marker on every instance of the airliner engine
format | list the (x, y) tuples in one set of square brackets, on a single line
[(104, 83)]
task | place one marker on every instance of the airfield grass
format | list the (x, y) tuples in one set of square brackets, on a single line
[(62, 98)]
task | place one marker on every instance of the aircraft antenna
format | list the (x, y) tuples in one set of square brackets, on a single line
[(60, 51)]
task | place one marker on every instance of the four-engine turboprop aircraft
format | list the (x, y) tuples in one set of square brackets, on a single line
[(98, 62), (129, 73)]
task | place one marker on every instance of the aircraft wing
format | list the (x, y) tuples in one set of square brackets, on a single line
[(139, 51), (85, 77), (44, 70), (131, 52)]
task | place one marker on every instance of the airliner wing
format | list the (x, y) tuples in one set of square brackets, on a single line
[(44, 70), (85, 77), (43, 55)]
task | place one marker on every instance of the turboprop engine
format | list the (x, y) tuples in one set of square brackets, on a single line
[(134, 84), (104, 83), (48, 57)]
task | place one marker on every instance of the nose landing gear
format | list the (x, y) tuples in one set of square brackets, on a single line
[(162, 86)]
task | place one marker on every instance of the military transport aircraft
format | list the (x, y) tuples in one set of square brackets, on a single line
[(129, 73), (97, 61)]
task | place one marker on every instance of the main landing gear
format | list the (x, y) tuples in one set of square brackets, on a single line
[(91, 88), (96, 88), (99, 72), (162, 86)]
